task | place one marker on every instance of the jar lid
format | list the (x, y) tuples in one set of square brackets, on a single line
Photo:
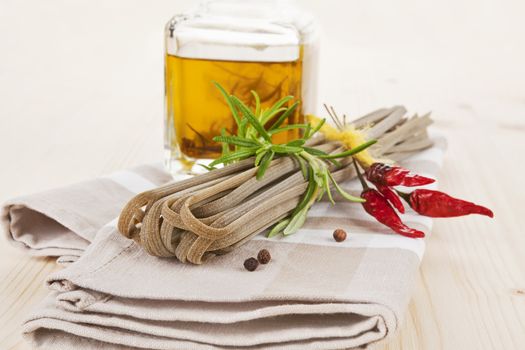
[(240, 30)]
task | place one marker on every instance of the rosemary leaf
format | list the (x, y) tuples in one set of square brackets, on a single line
[(335, 162), (267, 159), (350, 152), (319, 179), (318, 127), (225, 146), (254, 122), (237, 155), (296, 222), (273, 114), (302, 165), (344, 194), (296, 143), (259, 156), (307, 132), (242, 127), (209, 168), (315, 151), (236, 140), (284, 116), (287, 128), (257, 104), (327, 186), (286, 149), (270, 112), (309, 194), (321, 194), (278, 228), (228, 99)]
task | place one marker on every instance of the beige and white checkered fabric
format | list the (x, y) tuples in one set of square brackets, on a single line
[(315, 293)]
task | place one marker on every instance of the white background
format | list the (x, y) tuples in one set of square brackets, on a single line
[(77, 77)]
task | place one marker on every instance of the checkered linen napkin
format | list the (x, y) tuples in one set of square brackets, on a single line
[(315, 294)]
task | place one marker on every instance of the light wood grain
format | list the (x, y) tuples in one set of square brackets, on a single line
[(81, 95)]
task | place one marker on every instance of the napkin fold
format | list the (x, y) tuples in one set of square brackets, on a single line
[(314, 294)]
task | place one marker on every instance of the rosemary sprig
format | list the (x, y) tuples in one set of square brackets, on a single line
[(254, 139)]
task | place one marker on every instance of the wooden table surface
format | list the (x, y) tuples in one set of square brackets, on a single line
[(81, 95)]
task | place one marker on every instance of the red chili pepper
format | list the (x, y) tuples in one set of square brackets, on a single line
[(440, 205), (386, 175), (378, 206), (392, 197)]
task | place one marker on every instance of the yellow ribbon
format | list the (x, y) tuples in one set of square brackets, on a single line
[(350, 137)]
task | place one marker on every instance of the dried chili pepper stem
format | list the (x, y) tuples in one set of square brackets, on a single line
[(404, 195), (360, 176)]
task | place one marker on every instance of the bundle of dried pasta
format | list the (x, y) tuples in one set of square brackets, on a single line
[(264, 185)]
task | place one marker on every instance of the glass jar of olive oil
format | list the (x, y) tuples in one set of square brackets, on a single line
[(268, 46)]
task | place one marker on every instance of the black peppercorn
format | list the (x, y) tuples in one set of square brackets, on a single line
[(339, 235), (251, 264), (264, 256)]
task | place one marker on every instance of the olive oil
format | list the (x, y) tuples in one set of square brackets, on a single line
[(268, 46), (196, 111)]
